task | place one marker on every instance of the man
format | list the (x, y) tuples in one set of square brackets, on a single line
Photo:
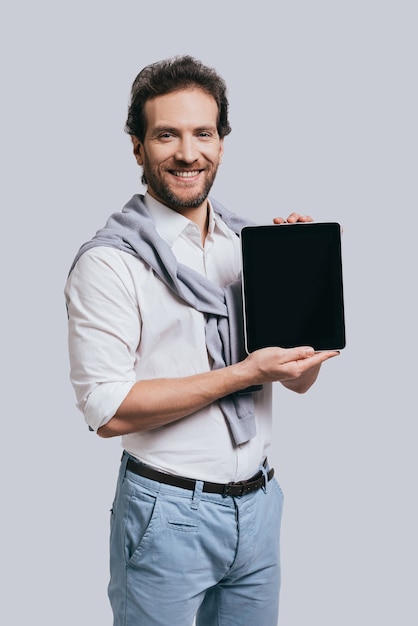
[(153, 303)]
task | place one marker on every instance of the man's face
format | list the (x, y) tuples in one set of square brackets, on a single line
[(182, 149)]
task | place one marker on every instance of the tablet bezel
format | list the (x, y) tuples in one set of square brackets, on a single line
[(289, 255)]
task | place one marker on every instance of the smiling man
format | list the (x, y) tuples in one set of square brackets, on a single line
[(154, 308), (181, 150)]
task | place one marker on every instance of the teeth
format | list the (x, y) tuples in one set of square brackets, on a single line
[(188, 174)]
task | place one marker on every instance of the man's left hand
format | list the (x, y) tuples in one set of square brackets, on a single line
[(292, 219)]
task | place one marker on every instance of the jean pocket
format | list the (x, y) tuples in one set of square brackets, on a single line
[(183, 525), (140, 521)]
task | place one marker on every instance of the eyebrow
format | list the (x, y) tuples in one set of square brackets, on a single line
[(172, 129), (159, 129)]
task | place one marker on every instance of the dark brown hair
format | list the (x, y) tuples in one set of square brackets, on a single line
[(170, 75)]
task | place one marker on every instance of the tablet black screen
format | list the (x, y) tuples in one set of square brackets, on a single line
[(292, 286)]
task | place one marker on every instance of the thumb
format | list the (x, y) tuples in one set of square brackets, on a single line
[(296, 354)]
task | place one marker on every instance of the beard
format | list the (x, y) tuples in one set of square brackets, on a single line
[(188, 199)]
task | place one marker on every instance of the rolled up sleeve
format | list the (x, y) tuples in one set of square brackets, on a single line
[(104, 330)]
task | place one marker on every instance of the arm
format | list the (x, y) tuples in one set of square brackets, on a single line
[(157, 402), (104, 330)]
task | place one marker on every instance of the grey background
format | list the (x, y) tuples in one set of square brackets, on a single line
[(323, 108)]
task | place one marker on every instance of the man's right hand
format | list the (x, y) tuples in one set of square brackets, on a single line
[(296, 368)]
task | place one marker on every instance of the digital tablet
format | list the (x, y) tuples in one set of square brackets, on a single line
[(293, 286)]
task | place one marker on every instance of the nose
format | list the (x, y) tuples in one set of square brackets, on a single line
[(187, 150)]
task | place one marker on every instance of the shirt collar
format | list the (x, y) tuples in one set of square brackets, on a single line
[(169, 223)]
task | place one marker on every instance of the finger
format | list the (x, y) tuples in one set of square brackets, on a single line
[(296, 354), (324, 355), (308, 358), (278, 220), (296, 217)]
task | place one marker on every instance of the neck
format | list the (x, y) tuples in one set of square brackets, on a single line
[(200, 216)]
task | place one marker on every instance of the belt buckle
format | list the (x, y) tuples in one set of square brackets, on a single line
[(228, 488)]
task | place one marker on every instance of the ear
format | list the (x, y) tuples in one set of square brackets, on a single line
[(137, 150)]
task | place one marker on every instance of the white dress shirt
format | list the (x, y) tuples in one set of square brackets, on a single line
[(126, 325)]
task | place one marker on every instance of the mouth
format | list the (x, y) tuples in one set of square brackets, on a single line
[(185, 173)]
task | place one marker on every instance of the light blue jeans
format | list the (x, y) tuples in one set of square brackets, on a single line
[(176, 555)]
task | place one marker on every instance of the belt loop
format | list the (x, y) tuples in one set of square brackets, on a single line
[(122, 470), (263, 470), (197, 494)]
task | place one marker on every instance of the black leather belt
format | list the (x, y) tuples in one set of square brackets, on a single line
[(229, 489)]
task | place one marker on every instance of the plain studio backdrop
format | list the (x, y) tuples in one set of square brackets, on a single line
[(323, 103)]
